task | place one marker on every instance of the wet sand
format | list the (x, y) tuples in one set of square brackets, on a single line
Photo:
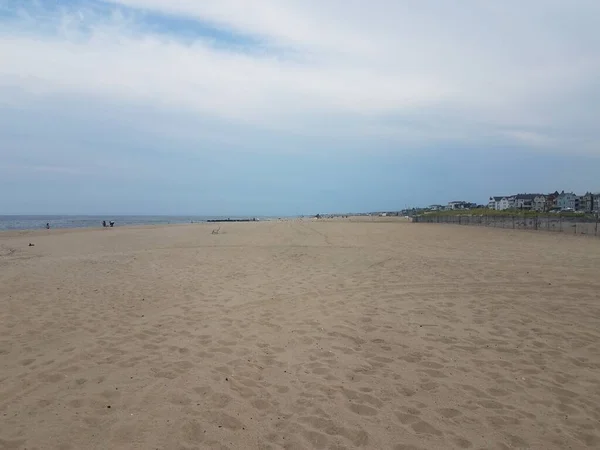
[(299, 334)]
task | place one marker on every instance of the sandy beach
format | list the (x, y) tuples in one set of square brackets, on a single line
[(299, 334)]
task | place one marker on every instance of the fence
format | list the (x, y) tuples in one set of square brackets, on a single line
[(572, 225)]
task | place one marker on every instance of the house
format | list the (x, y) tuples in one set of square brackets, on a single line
[(539, 203), (436, 208), (525, 201), (551, 201), (597, 202), (566, 201), (493, 202), (506, 203), (458, 205), (589, 202)]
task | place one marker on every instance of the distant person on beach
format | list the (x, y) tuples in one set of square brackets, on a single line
[(47, 226), (112, 223), (104, 223)]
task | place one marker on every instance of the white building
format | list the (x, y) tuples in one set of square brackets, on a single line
[(457, 205), (539, 203), (506, 203), (494, 202)]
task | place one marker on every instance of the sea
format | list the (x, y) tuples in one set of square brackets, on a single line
[(39, 222)]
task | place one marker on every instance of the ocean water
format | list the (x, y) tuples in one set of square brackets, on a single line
[(39, 222)]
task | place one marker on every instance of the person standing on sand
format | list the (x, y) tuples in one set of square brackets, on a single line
[(104, 223), (47, 225)]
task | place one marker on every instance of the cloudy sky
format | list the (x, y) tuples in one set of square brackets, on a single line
[(293, 107)]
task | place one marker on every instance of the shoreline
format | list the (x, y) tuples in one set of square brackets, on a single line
[(58, 231), (19, 223), (349, 219)]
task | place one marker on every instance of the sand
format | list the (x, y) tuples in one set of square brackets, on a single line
[(299, 334)]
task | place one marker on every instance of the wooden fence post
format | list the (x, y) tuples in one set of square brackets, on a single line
[(560, 223)]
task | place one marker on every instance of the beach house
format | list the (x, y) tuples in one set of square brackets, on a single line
[(566, 201), (506, 203), (494, 202), (551, 200), (525, 201), (586, 202), (539, 203), (458, 205)]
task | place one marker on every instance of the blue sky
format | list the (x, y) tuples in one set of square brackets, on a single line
[(297, 107)]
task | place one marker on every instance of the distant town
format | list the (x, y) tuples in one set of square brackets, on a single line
[(555, 202)]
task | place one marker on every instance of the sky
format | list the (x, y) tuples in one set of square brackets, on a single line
[(269, 107)]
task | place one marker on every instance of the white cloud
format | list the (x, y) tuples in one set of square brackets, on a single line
[(440, 70)]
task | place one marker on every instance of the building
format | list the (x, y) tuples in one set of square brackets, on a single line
[(539, 203), (458, 205), (551, 201), (506, 203), (566, 201), (525, 201), (589, 202), (597, 202), (493, 202), (436, 208)]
